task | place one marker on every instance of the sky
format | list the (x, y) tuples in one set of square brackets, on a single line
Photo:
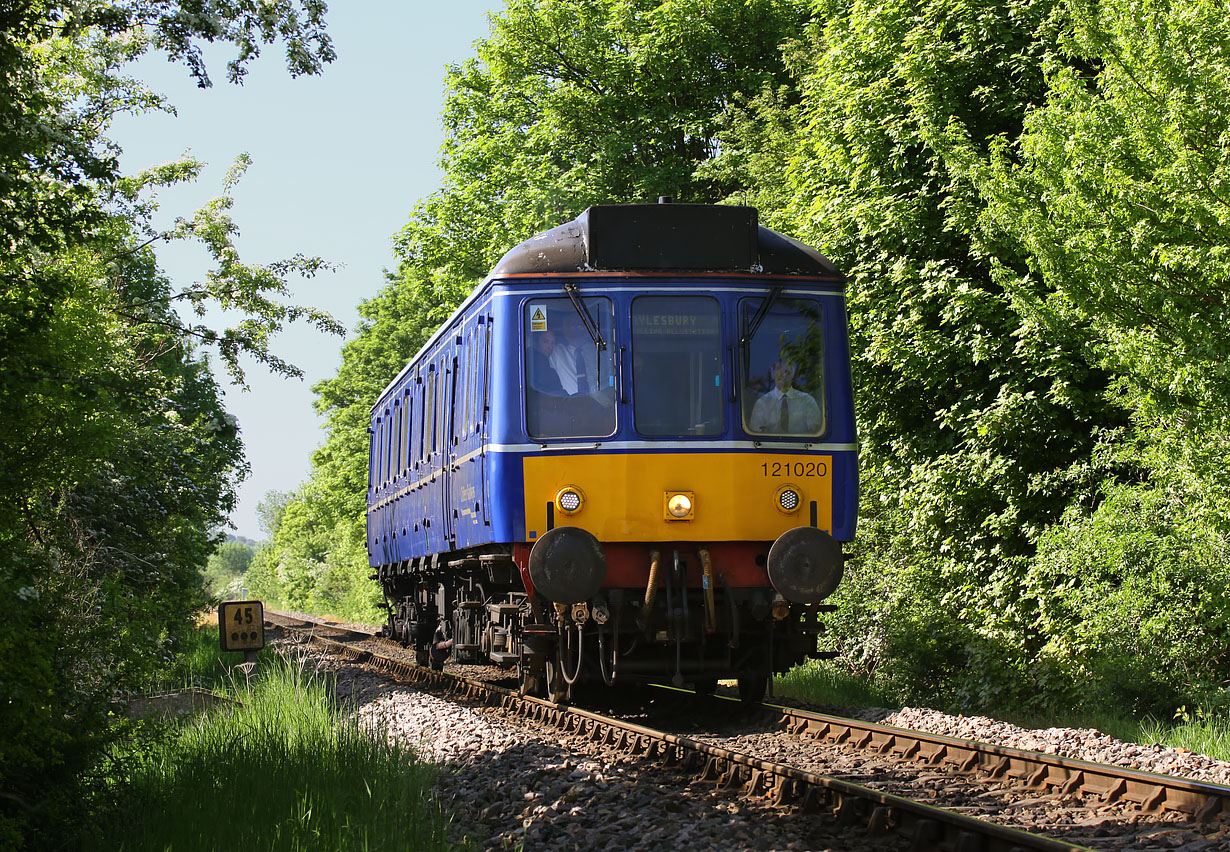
[(339, 162)]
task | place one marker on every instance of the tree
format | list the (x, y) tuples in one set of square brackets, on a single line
[(978, 422), (116, 456), (1026, 196), (226, 565), (1115, 192)]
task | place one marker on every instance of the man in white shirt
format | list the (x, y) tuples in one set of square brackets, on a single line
[(785, 410), (568, 359)]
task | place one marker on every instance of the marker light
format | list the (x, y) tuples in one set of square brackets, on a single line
[(679, 505), (569, 499), (788, 499)]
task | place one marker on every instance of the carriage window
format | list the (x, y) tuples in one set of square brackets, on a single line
[(429, 426), (471, 384), (389, 449), (569, 382), (783, 385), (476, 386), (484, 377), (450, 434), (677, 365), (395, 443), (476, 391)]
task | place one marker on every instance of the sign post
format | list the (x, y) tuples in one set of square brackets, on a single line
[(241, 627)]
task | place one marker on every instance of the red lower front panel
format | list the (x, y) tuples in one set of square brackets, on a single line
[(741, 564)]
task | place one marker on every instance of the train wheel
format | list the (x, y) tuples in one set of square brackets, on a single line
[(557, 688), (544, 683), (533, 683), (752, 687)]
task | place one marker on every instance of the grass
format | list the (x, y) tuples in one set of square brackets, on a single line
[(820, 682), (285, 769), (1205, 730), (202, 664), (1201, 732)]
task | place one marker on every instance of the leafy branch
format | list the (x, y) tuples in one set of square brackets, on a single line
[(253, 290)]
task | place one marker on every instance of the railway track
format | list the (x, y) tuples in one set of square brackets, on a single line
[(930, 808)]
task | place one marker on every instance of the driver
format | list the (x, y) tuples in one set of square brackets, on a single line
[(784, 409), (544, 377), (567, 359)]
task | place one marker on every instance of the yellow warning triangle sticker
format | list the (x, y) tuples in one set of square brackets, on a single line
[(538, 314)]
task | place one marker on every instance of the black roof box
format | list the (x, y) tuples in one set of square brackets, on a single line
[(665, 237)]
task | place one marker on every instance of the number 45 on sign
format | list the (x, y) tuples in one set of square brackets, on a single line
[(241, 625)]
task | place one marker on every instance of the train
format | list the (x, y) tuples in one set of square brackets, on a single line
[(628, 456)]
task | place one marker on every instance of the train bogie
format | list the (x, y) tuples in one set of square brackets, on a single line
[(629, 455)]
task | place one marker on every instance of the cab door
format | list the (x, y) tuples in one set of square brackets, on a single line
[(466, 475)]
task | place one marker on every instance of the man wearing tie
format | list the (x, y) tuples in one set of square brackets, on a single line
[(568, 359), (785, 410)]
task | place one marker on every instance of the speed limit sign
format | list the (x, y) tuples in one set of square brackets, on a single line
[(241, 625)]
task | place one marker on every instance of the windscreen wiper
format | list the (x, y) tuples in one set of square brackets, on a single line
[(583, 312), (745, 342)]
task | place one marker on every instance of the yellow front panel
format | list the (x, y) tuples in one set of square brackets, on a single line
[(734, 494)]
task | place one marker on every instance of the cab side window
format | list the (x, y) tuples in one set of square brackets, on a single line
[(569, 379)]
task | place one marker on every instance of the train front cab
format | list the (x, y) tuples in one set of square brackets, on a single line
[(687, 470)]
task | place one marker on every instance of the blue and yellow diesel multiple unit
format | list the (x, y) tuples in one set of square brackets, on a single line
[(629, 455)]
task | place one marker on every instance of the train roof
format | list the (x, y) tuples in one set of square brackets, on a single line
[(666, 237)]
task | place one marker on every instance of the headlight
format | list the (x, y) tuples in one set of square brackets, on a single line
[(570, 499), (788, 499), (679, 505)]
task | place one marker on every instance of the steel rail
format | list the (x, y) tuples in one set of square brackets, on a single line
[(1150, 791), (850, 804)]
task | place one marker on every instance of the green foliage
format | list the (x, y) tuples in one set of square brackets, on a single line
[(1202, 729), (287, 767), (116, 456), (223, 574), (1133, 599), (977, 422), (967, 407), (122, 460), (249, 289), (201, 664), (316, 564), (1116, 188), (1014, 190), (819, 682)]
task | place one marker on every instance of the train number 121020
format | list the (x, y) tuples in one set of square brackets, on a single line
[(795, 469)]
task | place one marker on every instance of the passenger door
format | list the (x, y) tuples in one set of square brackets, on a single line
[(448, 450)]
